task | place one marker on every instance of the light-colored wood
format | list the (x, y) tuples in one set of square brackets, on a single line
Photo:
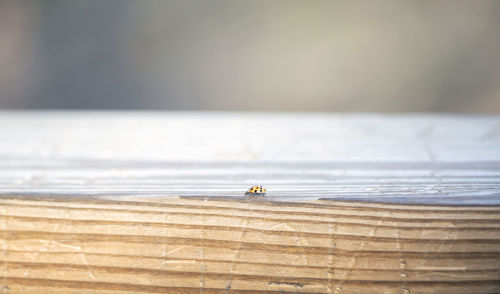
[(150, 245), (421, 159), (108, 202)]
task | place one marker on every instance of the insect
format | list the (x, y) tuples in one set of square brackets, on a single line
[(256, 191)]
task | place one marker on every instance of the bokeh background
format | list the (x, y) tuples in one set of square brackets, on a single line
[(271, 55)]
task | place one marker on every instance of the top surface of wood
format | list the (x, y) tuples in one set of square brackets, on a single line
[(411, 159)]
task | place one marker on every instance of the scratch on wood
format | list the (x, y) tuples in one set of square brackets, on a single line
[(300, 241), (164, 253), (5, 248), (236, 257), (299, 285), (201, 254), (283, 225), (331, 262), (173, 251), (89, 268), (354, 259), (403, 276), (54, 243)]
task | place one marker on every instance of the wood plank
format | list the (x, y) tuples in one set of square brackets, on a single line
[(147, 246), (108, 202), (419, 159)]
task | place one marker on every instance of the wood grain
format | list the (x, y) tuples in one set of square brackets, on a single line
[(151, 202), (152, 245), (418, 159)]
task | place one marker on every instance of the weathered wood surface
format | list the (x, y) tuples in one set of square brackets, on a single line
[(196, 246), (152, 203), (425, 159)]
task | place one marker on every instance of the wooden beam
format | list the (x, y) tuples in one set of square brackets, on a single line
[(58, 245), (153, 203)]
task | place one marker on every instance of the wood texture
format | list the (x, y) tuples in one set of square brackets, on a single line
[(421, 159), (192, 245), (152, 203)]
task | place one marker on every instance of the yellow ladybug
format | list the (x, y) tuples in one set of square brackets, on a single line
[(256, 191)]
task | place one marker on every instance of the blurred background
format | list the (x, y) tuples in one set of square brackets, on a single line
[(272, 55)]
